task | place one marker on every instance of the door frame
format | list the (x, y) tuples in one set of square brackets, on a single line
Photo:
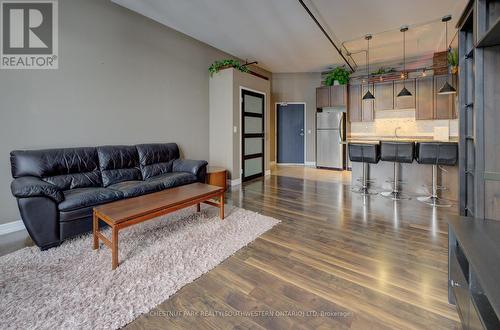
[(241, 160), (276, 132)]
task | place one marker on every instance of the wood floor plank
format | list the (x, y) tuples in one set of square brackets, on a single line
[(370, 263)]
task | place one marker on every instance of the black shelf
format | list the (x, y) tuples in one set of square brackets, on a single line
[(492, 36), (479, 243)]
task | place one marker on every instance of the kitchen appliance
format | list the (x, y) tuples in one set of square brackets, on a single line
[(330, 138)]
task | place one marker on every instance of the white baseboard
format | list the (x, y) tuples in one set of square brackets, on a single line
[(11, 227), (310, 163), (234, 182)]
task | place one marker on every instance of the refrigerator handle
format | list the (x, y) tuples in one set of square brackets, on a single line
[(340, 127)]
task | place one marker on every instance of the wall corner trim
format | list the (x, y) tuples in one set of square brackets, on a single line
[(11, 227)]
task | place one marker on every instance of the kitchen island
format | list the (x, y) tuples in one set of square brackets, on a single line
[(416, 178)]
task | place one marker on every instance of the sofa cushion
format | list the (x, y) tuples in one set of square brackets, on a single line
[(156, 158), (72, 215), (66, 168), (84, 197), (170, 180), (136, 188), (118, 164)]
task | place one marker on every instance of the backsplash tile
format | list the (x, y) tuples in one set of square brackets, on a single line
[(386, 121)]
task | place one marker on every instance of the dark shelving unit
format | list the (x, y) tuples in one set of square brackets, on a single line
[(479, 109)]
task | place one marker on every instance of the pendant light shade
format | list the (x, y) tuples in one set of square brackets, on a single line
[(404, 91), (447, 88), (368, 95)]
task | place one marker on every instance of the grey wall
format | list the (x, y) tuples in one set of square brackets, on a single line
[(122, 79), (296, 87)]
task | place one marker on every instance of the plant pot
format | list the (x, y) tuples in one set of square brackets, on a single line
[(454, 69), (336, 83)]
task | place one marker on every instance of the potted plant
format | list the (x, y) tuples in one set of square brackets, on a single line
[(224, 64), (383, 70), (338, 76), (453, 60)]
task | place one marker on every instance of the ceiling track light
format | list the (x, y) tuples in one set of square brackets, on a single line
[(368, 95), (404, 91), (447, 88)]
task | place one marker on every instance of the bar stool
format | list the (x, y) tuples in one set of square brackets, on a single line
[(436, 153), (366, 153), (396, 152)]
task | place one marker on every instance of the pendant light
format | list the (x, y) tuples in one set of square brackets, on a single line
[(404, 91), (447, 88), (368, 95)]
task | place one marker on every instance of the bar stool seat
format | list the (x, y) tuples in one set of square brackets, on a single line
[(366, 153), (396, 152), (435, 154)]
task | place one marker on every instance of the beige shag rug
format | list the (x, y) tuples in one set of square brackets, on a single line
[(73, 286)]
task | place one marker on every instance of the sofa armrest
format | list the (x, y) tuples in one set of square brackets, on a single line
[(30, 186), (196, 167)]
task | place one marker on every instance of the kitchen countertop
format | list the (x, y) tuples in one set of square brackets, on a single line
[(377, 139)]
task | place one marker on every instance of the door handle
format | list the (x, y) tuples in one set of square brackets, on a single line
[(301, 134)]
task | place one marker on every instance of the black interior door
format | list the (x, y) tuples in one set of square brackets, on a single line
[(252, 135)]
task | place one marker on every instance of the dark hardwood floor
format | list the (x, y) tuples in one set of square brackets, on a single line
[(336, 260)]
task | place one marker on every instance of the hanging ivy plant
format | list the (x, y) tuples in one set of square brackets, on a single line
[(339, 74), (219, 65)]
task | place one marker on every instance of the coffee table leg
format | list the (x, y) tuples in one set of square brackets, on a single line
[(95, 229), (114, 249), (198, 207), (221, 202)]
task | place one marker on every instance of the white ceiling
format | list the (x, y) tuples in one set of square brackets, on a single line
[(281, 36)]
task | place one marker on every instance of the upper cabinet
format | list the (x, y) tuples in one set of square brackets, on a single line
[(322, 97), (444, 105), (331, 96), (404, 102), (426, 101), (338, 96), (384, 96), (354, 109), (424, 98)]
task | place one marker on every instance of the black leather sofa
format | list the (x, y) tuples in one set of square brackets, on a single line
[(56, 189)]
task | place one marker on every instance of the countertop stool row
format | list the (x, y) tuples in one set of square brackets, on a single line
[(397, 152)]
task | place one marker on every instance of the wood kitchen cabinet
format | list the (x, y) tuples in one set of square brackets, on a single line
[(424, 109), (367, 105), (384, 96), (338, 96), (322, 97), (331, 96), (444, 105), (354, 108), (406, 102)]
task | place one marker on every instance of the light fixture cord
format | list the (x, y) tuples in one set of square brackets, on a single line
[(404, 59), (368, 64), (447, 49)]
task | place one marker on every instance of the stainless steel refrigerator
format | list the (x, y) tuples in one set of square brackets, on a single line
[(330, 133)]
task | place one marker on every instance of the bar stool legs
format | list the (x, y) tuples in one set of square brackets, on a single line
[(433, 199), (395, 194), (364, 190)]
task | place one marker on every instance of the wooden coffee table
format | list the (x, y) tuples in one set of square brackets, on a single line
[(124, 213)]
